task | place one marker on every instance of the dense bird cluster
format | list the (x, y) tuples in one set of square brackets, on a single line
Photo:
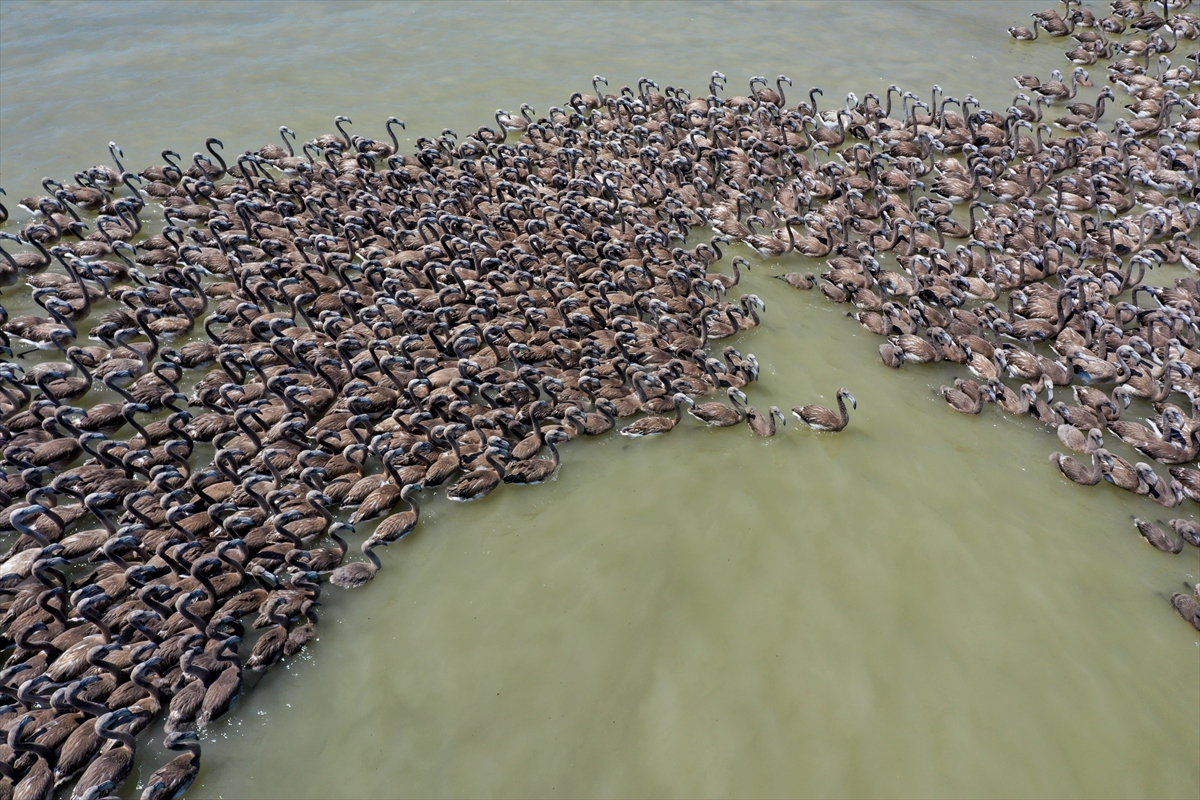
[(1046, 285), (1162, 335), (376, 324)]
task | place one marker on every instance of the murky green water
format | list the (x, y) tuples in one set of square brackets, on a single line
[(920, 606)]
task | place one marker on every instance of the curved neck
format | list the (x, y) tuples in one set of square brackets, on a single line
[(412, 503), (86, 706), (124, 737), (497, 465)]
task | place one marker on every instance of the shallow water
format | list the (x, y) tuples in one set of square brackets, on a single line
[(919, 606)]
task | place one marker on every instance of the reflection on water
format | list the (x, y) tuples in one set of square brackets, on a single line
[(919, 606)]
